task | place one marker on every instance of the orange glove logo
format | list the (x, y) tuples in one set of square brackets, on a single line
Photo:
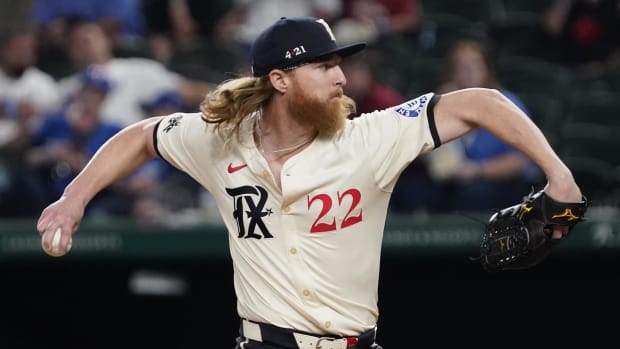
[(567, 213)]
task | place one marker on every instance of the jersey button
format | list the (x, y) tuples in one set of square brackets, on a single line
[(286, 209), (293, 250), (328, 324), (306, 293)]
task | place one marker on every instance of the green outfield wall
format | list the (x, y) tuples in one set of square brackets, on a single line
[(432, 295)]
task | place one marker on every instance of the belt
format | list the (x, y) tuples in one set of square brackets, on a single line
[(289, 338)]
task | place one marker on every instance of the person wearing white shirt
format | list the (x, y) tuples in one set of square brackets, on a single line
[(134, 80), (26, 92)]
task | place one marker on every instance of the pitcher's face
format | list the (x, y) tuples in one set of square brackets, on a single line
[(316, 95)]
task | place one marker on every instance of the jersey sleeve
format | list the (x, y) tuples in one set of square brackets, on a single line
[(394, 137), (182, 140)]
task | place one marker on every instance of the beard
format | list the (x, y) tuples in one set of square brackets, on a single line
[(326, 117)]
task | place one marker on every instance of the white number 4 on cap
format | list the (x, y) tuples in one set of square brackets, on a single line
[(295, 52)]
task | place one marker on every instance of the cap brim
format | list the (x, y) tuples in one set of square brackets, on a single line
[(343, 51)]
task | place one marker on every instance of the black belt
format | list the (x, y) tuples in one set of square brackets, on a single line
[(289, 338)]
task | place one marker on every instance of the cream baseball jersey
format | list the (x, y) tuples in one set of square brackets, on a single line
[(306, 257)]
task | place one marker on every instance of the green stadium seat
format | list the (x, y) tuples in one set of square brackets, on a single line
[(421, 75), (598, 107), (518, 34), (546, 111), (593, 140), (445, 29), (473, 10), (141, 50), (596, 178), (531, 6), (200, 72), (56, 62), (527, 74)]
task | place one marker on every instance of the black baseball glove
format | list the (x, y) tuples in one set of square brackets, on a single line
[(519, 236)]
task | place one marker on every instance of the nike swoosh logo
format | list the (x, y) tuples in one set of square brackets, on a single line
[(233, 169)]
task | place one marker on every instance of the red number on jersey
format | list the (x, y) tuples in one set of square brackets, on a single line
[(326, 206), (356, 197)]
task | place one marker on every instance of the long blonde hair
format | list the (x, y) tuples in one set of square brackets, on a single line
[(234, 100)]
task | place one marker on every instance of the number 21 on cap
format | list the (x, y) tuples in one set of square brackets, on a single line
[(295, 52)]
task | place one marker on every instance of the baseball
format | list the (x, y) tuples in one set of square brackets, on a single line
[(54, 249)]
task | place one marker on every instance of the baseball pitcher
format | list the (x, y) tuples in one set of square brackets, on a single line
[(303, 190)]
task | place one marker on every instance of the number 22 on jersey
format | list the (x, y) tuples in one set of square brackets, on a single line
[(326, 220)]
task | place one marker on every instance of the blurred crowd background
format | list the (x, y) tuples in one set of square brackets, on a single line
[(74, 72)]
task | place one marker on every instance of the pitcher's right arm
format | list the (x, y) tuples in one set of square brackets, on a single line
[(119, 156)]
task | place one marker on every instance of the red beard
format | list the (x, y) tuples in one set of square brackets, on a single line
[(327, 117)]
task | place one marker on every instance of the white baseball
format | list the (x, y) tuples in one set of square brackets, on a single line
[(55, 251)]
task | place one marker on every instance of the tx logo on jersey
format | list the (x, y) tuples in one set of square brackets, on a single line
[(567, 213), (232, 169), (249, 210)]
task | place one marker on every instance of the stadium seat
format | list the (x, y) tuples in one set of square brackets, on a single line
[(200, 72), (596, 178), (214, 56), (438, 31), (590, 140), (473, 10), (136, 50), (421, 75), (518, 34), (519, 6), (56, 62), (527, 74), (546, 111), (593, 106)]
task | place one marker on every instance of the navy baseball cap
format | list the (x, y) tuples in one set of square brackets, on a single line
[(290, 42), (170, 99), (94, 76)]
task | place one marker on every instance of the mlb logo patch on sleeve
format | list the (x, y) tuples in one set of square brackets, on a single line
[(411, 108)]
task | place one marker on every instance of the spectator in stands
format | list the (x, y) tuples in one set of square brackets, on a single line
[(121, 20), (368, 93), (67, 139), (26, 92), (584, 35), (134, 81), (175, 26), (369, 20), (414, 189), (26, 95), (484, 173), (254, 15), (166, 103)]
